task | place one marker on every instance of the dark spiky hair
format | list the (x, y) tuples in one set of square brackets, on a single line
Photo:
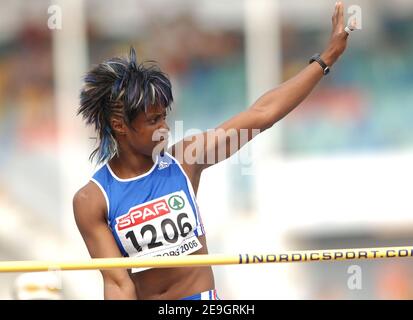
[(124, 88)]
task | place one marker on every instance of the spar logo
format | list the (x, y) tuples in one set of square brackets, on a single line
[(176, 202), (143, 213)]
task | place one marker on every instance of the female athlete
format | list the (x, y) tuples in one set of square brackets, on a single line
[(142, 201)]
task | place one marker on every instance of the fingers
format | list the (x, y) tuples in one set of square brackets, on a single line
[(339, 25), (340, 22), (338, 17), (334, 18)]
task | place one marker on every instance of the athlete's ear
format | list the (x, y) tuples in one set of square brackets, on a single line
[(118, 125)]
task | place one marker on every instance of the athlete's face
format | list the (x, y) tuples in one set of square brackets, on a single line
[(150, 132)]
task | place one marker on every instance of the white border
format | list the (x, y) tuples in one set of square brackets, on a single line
[(133, 178), (191, 191), (104, 194)]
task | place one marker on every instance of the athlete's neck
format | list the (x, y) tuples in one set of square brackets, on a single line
[(129, 166)]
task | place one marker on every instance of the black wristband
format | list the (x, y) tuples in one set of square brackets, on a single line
[(324, 66)]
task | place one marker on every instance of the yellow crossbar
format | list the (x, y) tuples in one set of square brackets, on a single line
[(210, 259)]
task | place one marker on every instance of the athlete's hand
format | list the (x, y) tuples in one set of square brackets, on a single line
[(338, 38)]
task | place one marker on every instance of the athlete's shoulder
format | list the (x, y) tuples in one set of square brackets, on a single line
[(89, 198), (175, 152), (185, 159), (190, 171), (87, 192)]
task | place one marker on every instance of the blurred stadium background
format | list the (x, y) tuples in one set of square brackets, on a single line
[(336, 173)]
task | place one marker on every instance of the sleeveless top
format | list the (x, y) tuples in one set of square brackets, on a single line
[(153, 214)]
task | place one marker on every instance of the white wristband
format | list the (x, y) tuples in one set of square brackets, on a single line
[(348, 30)]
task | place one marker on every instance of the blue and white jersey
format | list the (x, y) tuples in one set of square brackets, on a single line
[(154, 214)]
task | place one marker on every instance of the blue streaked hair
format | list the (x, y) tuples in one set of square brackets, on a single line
[(120, 87)]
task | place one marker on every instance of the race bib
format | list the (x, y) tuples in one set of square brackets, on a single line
[(161, 227)]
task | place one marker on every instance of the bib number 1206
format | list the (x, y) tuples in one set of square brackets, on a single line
[(179, 228)]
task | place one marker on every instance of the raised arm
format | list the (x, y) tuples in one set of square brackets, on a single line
[(277, 103), (265, 112), (90, 209)]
